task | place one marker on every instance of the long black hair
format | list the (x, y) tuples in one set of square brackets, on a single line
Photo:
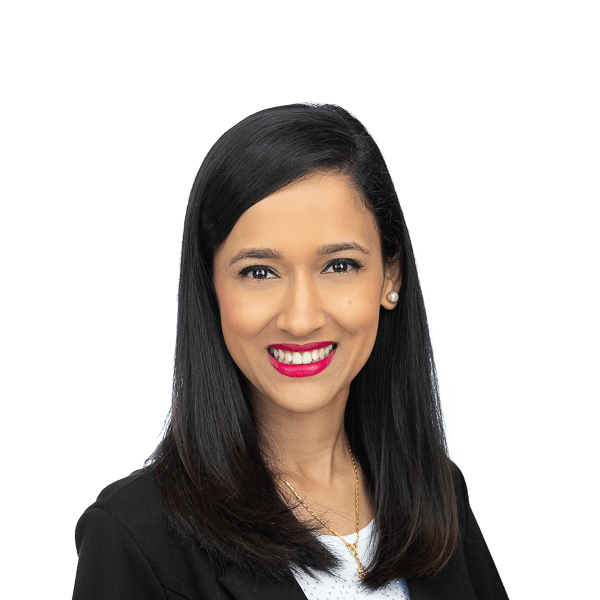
[(213, 481)]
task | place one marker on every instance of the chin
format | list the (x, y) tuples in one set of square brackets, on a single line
[(306, 398)]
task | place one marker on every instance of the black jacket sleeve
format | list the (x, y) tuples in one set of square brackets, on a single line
[(111, 564), (471, 573), (483, 574)]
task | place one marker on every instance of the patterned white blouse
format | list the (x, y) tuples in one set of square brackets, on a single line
[(346, 585)]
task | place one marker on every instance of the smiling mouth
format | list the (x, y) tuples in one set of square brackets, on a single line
[(289, 357)]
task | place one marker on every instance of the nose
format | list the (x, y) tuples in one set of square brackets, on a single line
[(302, 310)]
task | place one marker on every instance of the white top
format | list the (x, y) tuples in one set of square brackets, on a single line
[(346, 585)]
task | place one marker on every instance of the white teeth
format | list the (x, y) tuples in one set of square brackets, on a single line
[(301, 358)]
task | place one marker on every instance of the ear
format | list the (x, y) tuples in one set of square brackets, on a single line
[(392, 283)]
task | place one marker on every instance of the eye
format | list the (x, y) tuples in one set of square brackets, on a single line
[(258, 273), (343, 265)]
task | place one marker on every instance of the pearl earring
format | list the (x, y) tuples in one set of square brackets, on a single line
[(392, 297)]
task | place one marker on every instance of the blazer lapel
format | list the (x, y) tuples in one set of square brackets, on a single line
[(242, 585)]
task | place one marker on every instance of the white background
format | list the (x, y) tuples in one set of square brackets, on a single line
[(487, 115)]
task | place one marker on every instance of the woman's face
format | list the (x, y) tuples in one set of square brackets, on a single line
[(299, 281)]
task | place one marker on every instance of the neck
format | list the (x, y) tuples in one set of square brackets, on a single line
[(304, 446), (309, 452)]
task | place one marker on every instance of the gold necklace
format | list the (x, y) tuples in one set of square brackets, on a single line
[(353, 548)]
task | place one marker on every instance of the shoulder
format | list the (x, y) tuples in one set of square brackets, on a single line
[(133, 501), (474, 556), (125, 542), (459, 478), (129, 508), (462, 493)]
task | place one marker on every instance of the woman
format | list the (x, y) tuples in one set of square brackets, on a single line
[(305, 455)]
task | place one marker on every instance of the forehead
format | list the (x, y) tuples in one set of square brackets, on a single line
[(317, 210)]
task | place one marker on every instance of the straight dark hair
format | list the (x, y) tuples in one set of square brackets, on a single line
[(212, 478)]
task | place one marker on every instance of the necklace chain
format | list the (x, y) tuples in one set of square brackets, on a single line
[(353, 548)]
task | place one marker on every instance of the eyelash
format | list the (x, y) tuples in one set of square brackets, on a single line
[(351, 265)]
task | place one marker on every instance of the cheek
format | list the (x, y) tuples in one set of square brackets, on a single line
[(359, 315), (240, 320), (367, 320)]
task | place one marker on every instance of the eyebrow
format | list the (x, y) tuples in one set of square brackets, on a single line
[(333, 248), (260, 253), (270, 254)]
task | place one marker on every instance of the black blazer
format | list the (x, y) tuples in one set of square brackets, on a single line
[(128, 551)]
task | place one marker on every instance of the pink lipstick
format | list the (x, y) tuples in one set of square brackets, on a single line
[(294, 364)]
